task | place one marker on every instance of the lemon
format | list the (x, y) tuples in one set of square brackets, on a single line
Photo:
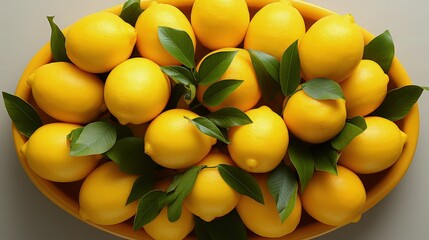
[(48, 154), (331, 48), (211, 196), (365, 89), (376, 148), (67, 93), (98, 42), (136, 91), (334, 199), (104, 193), (220, 23), (260, 146), (312, 120), (274, 27), (264, 219), (156, 15), (247, 95), (173, 141)]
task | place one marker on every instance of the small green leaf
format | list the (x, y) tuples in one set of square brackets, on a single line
[(179, 74), (398, 102), (219, 91), (241, 181), (148, 208), (173, 185), (351, 129), (131, 11), (209, 128), (290, 70), (97, 137), (325, 158), (58, 42), (381, 50), (214, 66), (290, 205), (179, 44), (176, 93), (301, 157), (269, 63), (323, 89), (190, 94), (22, 114), (141, 186), (229, 117), (215, 230), (73, 136)]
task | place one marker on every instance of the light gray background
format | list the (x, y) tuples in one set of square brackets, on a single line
[(26, 214)]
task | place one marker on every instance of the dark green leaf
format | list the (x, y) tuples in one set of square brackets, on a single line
[(323, 89), (97, 137), (381, 50), (148, 208), (131, 11), (215, 230), (123, 131), (22, 114), (241, 181), (176, 93), (209, 128), (58, 42), (191, 91), (229, 117), (270, 64), (325, 158), (173, 185), (179, 44), (398, 102), (214, 66), (141, 186), (219, 91), (179, 74), (290, 69), (301, 157), (353, 128), (284, 214)]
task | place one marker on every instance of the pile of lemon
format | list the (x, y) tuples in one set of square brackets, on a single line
[(115, 71)]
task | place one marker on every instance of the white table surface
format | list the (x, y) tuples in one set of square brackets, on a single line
[(25, 213)]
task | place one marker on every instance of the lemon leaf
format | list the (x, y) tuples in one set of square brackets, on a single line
[(284, 214), (301, 157), (214, 66), (209, 128), (190, 93), (215, 230), (229, 117), (241, 181), (290, 69), (141, 186), (325, 158), (323, 89), (174, 183), (269, 63), (131, 11), (123, 131), (148, 208), (22, 114), (179, 74), (216, 93), (179, 44), (176, 93), (74, 135), (351, 129), (398, 102), (58, 42), (381, 50)]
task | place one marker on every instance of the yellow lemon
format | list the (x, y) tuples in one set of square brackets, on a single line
[(67, 93), (156, 15), (100, 41), (312, 120), (220, 23), (172, 141), (334, 199), (365, 89), (331, 48), (48, 154), (247, 95), (376, 148), (274, 27), (136, 91), (264, 219), (260, 146), (104, 193), (211, 196)]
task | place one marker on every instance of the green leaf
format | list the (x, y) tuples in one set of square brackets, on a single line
[(148, 208), (97, 137), (282, 183), (141, 186), (351, 129), (131, 11), (301, 157), (219, 91), (323, 89), (123, 131), (215, 230), (229, 117), (58, 42), (381, 50), (398, 102), (176, 93), (179, 74), (174, 183), (22, 114), (179, 44), (73, 136), (241, 181), (269, 63), (290, 70), (284, 214), (129, 154), (325, 158), (214, 66), (209, 128), (190, 94)]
